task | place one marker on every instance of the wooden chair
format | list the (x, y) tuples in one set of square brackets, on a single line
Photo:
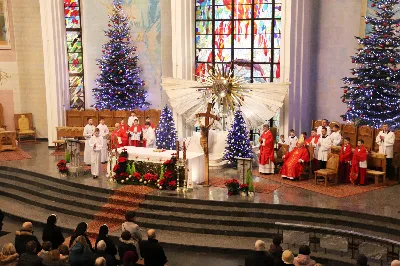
[(377, 160), (74, 118), (24, 126), (366, 133), (284, 148), (331, 171), (350, 131), (396, 165), (2, 126)]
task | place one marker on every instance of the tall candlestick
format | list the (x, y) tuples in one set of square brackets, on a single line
[(177, 149)]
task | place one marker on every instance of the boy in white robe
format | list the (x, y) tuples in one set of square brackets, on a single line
[(385, 141), (336, 136), (292, 140), (87, 133), (104, 133), (325, 123), (96, 145), (149, 136), (324, 147), (132, 118)]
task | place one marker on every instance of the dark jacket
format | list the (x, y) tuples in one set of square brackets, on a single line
[(259, 258), (279, 262), (73, 237), (53, 234), (152, 253), (9, 260), (55, 263), (124, 246), (21, 238), (110, 260), (29, 259), (111, 248), (80, 256), (275, 251)]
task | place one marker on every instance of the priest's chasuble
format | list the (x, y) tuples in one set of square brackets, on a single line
[(359, 165), (266, 159), (291, 167)]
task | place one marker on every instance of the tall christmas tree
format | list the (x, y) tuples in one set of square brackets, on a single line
[(119, 86), (238, 141), (372, 94), (166, 132)]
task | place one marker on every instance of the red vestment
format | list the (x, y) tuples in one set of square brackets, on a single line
[(135, 131), (291, 167), (358, 173), (266, 148), (124, 127), (345, 157), (114, 139), (309, 140), (121, 133)]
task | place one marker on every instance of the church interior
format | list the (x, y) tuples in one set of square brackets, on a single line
[(199, 132)]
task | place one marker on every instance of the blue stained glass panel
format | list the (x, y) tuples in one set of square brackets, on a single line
[(277, 26), (204, 12), (263, 11), (277, 55), (203, 27), (223, 12), (277, 40), (278, 11), (262, 26)]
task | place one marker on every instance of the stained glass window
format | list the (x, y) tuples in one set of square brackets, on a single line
[(72, 14), (245, 33)]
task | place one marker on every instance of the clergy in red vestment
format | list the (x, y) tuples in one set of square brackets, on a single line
[(122, 136), (359, 164), (313, 141), (345, 157), (114, 137), (124, 126), (293, 161), (266, 159)]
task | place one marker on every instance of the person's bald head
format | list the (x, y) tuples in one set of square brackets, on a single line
[(395, 263), (259, 245), (27, 226), (151, 234)]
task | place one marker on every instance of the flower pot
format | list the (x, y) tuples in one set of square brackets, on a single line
[(63, 175)]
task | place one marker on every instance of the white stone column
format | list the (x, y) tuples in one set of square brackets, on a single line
[(55, 64)]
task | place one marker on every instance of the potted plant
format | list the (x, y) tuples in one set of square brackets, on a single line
[(233, 187), (62, 168), (244, 189)]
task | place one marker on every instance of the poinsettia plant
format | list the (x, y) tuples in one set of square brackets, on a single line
[(62, 167), (233, 186), (244, 188)]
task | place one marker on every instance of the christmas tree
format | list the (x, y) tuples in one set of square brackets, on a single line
[(166, 132), (372, 94), (238, 141), (119, 86)]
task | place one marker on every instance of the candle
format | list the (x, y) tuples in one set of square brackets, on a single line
[(177, 149)]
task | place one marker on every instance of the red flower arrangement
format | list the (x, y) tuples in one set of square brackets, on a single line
[(62, 167), (167, 162), (116, 167), (122, 159), (244, 188), (233, 186), (172, 185), (149, 177), (137, 175), (168, 174)]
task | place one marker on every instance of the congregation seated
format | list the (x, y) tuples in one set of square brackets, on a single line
[(131, 226), (25, 235), (275, 248), (109, 244), (286, 259), (52, 232), (9, 256), (101, 252), (361, 260), (129, 259), (46, 248), (259, 256), (151, 251), (30, 257), (53, 258), (303, 258), (80, 231), (64, 253), (81, 253), (126, 244), (100, 262)]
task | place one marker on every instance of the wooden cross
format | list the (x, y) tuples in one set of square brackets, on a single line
[(204, 139)]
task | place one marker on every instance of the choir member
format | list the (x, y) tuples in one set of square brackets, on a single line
[(345, 157), (87, 133), (104, 132), (281, 141), (149, 136), (148, 120), (292, 140), (132, 118), (266, 159), (313, 142), (359, 164), (325, 124), (385, 141), (324, 146), (293, 162), (135, 131), (336, 136), (96, 145)]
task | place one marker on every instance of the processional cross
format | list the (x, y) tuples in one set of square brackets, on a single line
[(204, 139)]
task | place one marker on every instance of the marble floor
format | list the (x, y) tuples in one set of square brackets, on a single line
[(379, 202)]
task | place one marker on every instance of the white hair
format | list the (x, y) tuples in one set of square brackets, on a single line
[(100, 261), (101, 245), (259, 245)]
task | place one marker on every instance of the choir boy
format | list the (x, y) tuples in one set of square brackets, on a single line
[(324, 147), (345, 157), (385, 141), (132, 118), (96, 145), (359, 164), (281, 141), (104, 133), (325, 124), (87, 133), (336, 136), (149, 136), (292, 140), (135, 131)]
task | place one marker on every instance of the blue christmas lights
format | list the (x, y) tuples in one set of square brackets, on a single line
[(166, 132)]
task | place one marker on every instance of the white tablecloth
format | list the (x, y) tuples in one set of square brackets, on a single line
[(195, 160), (216, 142)]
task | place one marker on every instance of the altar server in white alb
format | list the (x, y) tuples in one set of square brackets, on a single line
[(292, 140), (132, 119), (324, 147), (104, 133), (325, 123), (96, 145), (336, 136), (149, 136), (385, 141), (87, 133)]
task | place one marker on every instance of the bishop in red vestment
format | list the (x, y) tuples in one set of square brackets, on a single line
[(266, 159), (345, 157), (293, 165), (114, 137), (359, 164)]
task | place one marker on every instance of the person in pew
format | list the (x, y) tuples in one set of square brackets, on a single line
[(293, 162), (275, 248), (385, 141), (286, 259), (104, 132), (135, 131), (132, 118), (52, 232), (313, 142), (111, 249), (30, 257), (87, 133), (303, 258), (96, 144), (259, 256), (151, 251), (336, 136), (25, 235), (149, 136), (359, 164), (8, 255), (324, 147), (126, 244), (325, 124), (291, 140), (345, 158)]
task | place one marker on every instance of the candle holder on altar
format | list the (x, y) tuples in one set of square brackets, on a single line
[(73, 149)]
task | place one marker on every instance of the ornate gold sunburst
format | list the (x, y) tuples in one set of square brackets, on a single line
[(223, 88)]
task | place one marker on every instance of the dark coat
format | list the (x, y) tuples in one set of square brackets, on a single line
[(73, 237), (80, 256), (55, 263), (279, 262), (124, 246), (110, 260), (9, 260), (53, 234), (152, 253), (275, 251), (21, 238), (259, 258), (111, 248), (29, 259)]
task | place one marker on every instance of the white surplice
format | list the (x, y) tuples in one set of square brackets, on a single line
[(87, 133), (104, 133), (150, 136), (131, 119), (336, 138), (96, 144), (386, 145), (291, 141), (325, 148), (328, 130)]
